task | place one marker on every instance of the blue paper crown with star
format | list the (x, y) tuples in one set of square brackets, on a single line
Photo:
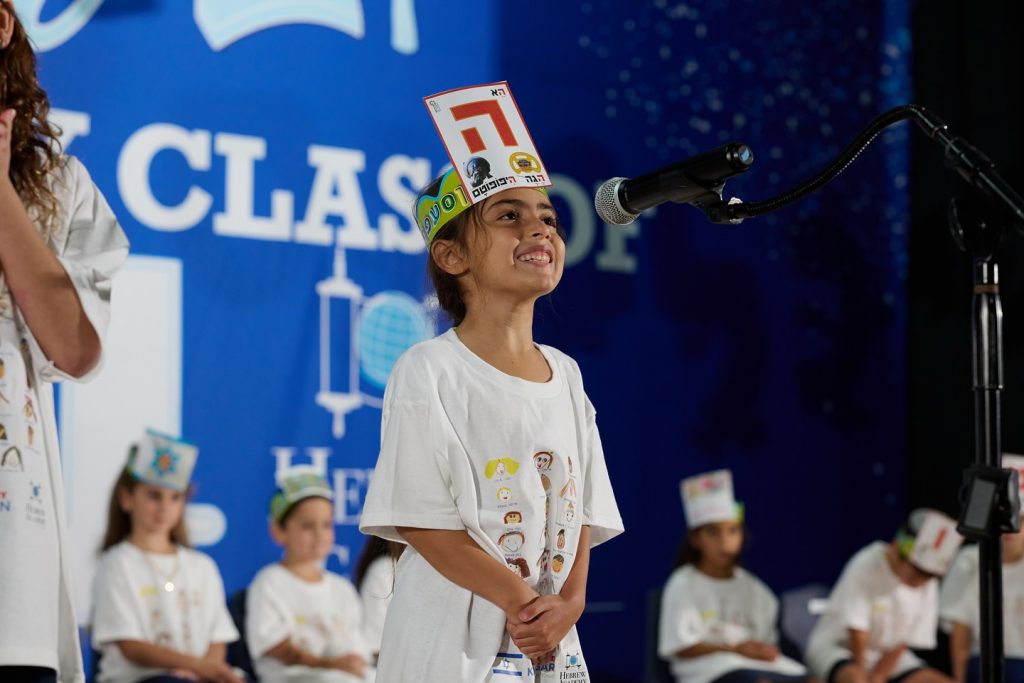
[(163, 460)]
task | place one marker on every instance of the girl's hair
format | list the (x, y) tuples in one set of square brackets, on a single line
[(449, 292), (688, 553), (35, 149), (119, 522), (375, 547)]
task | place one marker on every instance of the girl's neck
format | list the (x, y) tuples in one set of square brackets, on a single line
[(716, 571), (505, 341), (307, 570), (152, 542)]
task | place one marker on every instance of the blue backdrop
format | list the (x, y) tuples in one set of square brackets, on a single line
[(249, 139)]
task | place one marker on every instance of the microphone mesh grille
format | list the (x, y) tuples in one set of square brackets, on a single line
[(606, 203)]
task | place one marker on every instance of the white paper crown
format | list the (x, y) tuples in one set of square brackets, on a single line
[(709, 498), (163, 460), (935, 543), (298, 483), (487, 140)]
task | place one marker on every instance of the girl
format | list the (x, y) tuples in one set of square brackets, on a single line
[(59, 248), (304, 623), (717, 619), (159, 611), (464, 608), (886, 602), (960, 611), (375, 579)]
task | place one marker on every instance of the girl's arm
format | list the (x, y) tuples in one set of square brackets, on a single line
[(156, 656), (859, 647), (751, 648), (540, 626), (460, 560), (960, 650), (886, 663), (39, 284), (292, 655)]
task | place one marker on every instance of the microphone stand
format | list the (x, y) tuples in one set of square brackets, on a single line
[(979, 234)]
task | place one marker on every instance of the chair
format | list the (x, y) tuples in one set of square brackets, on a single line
[(656, 669), (799, 611), (238, 651)]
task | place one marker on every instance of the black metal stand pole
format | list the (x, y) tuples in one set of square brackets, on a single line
[(987, 346)]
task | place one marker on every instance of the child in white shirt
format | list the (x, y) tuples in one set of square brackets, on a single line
[(886, 602), (304, 623), (159, 613), (960, 611), (717, 621), (491, 467)]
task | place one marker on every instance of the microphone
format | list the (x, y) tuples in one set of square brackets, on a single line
[(698, 180)]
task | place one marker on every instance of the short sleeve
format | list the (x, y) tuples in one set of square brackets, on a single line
[(680, 625), (93, 250), (766, 617), (115, 613), (221, 626), (923, 635), (958, 592), (267, 619), (851, 600), (600, 510), (351, 610), (411, 484)]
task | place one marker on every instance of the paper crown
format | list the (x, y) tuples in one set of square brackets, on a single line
[(709, 498), (297, 484), (163, 460), (1013, 461), (929, 540), (489, 147)]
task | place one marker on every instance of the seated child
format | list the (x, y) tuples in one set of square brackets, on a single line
[(304, 623), (886, 601), (717, 619), (959, 604), (159, 613)]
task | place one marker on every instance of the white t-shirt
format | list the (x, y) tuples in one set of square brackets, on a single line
[(696, 608), (376, 590), (324, 618), (132, 602), (870, 597), (516, 464), (959, 601), (37, 622)]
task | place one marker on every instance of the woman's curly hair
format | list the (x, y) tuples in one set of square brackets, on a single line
[(35, 148)]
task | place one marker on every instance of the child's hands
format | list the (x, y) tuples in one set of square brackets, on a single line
[(755, 649), (216, 670), (351, 663), (540, 625)]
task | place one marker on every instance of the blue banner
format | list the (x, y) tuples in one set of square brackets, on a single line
[(263, 156)]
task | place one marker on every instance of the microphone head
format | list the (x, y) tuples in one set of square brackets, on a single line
[(609, 206)]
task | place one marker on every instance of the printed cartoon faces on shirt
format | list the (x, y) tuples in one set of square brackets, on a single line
[(489, 147)]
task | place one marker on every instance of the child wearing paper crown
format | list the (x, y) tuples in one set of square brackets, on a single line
[(478, 594), (959, 603), (159, 613), (885, 602), (304, 623), (717, 619)]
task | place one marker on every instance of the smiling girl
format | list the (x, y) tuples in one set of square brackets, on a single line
[(464, 607)]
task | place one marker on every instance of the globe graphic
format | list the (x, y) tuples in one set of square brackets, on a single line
[(390, 323)]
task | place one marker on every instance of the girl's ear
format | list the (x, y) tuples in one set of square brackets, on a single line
[(277, 533), (124, 500), (449, 257)]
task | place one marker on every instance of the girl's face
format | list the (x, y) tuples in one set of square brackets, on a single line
[(719, 544), (308, 531), (519, 252), (153, 510)]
